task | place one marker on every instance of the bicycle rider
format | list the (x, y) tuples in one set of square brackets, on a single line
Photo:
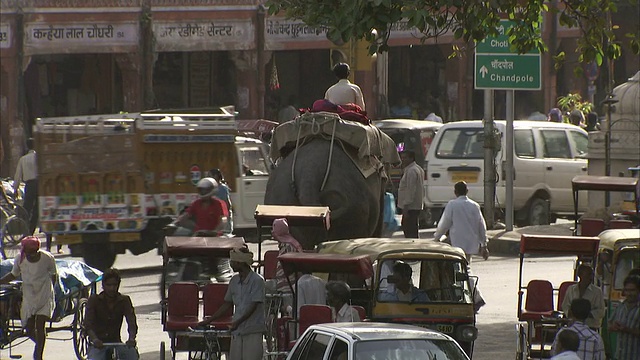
[(104, 315)]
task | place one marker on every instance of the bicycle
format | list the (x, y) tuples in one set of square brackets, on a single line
[(114, 352), (12, 230), (213, 350)]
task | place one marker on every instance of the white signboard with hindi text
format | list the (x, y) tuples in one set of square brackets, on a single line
[(97, 37), (280, 31), (194, 35)]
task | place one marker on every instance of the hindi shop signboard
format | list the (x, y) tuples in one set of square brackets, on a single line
[(209, 35), (497, 67), (49, 38)]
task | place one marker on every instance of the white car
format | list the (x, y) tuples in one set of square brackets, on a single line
[(372, 340), (546, 156)]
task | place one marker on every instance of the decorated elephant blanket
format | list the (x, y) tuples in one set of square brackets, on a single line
[(370, 147)]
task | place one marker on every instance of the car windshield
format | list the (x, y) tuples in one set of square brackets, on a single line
[(432, 280), (465, 143), (410, 349)]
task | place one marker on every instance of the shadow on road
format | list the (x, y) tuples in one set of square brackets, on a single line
[(492, 339)]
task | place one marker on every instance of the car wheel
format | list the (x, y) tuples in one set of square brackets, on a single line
[(538, 212)]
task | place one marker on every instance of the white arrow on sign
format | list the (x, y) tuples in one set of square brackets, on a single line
[(483, 71)]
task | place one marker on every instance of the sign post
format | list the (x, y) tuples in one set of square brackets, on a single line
[(497, 67)]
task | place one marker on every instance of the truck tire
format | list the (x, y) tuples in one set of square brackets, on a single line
[(99, 256)]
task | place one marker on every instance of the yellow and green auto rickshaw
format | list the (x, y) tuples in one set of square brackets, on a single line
[(618, 254), (438, 270)]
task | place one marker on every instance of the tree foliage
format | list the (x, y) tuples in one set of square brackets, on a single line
[(468, 20)]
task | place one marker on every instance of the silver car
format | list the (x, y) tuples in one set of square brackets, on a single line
[(372, 340)]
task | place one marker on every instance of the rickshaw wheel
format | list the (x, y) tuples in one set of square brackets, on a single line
[(163, 350), (13, 231), (80, 337)]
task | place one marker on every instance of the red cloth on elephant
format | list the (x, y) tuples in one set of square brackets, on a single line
[(351, 112)]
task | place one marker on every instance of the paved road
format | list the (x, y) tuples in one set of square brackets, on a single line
[(498, 281)]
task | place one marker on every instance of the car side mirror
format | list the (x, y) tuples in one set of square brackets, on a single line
[(460, 276)]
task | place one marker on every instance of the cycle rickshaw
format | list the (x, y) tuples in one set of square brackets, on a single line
[(76, 282), (539, 301), (190, 291)]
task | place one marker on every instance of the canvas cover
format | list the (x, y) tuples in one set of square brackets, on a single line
[(366, 145)]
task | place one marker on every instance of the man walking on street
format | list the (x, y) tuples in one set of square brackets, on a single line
[(467, 230), (247, 294), (38, 271), (26, 172), (344, 92), (410, 193)]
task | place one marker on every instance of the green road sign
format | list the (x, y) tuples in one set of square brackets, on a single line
[(497, 67), (507, 71)]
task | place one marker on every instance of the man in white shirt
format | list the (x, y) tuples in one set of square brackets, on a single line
[(344, 92), (467, 230), (410, 194), (567, 345), (585, 289), (338, 297), (463, 219), (27, 172), (310, 291)]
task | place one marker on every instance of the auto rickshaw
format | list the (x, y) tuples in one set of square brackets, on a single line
[(539, 301), (438, 269), (618, 254)]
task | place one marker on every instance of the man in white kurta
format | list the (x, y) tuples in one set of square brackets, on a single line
[(463, 219), (37, 268)]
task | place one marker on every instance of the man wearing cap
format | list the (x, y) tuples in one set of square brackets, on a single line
[(246, 294), (344, 92), (38, 270)]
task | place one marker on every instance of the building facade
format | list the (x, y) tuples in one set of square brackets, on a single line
[(65, 58)]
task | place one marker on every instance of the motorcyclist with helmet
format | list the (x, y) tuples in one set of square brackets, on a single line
[(208, 216), (207, 212)]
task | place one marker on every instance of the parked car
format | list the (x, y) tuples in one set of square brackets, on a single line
[(415, 135), (371, 340), (546, 157)]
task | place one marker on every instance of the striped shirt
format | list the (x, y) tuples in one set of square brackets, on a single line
[(628, 346), (591, 344)]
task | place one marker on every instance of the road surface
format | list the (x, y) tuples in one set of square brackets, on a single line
[(496, 321)]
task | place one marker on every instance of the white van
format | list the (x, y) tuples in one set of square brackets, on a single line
[(546, 157)]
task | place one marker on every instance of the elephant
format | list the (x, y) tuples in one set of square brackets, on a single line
[(356, 202)]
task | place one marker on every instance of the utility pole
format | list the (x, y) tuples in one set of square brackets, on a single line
[(489, 161)]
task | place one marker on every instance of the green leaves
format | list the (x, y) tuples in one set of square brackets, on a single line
[(466, 19)]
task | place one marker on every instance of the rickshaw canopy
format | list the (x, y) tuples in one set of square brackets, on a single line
[(614, 239), (295, 215), (178, 246), (379, 248), (604, 183), (559, 245), (326, 263)]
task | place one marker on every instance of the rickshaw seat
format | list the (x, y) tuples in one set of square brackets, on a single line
[(182, 302), (312, 315), (539, 300), (213, 298), (270, 264), (591, 227), (620, 224), (562, 291)]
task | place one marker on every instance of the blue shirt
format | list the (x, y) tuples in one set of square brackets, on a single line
[(390, 212), (417, 295)]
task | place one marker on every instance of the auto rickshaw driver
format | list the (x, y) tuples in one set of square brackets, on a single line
[(404, 290)]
